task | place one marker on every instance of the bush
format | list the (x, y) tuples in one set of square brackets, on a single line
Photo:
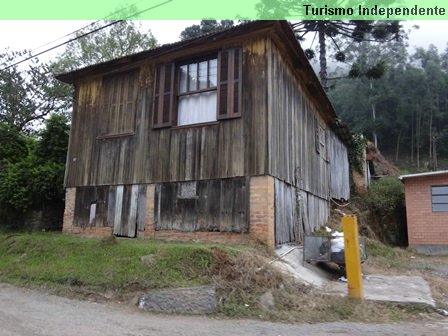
[(385, 200)]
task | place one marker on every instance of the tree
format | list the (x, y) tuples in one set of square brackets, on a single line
[(205, 27), (120, 39), (28, 93), (34, 180), (357, 31)]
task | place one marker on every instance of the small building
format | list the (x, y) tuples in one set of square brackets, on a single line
[(427, 211), (228, 137)]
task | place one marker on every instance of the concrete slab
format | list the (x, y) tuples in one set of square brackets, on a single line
[(401, 289), (290, 261)]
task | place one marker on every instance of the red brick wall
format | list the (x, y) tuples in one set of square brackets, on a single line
[(424, 226)]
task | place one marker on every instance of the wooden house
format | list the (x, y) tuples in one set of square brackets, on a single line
[(228, 137)]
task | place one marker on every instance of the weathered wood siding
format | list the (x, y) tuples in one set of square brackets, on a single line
[(315, 211), (288, 227), (292, 122), (209, 205), (113, 143), (120, 207), (303, 152), (339, 168)]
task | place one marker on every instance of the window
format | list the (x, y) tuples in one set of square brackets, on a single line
[(198, 91), (439, 198), (319, 138)]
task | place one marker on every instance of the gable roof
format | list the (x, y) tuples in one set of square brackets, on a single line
[(280, 31)]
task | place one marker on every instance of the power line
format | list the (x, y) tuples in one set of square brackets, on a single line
[(86, 26), (85, 34)]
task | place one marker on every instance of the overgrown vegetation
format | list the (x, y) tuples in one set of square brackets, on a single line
[(31, 174), (385, 200)]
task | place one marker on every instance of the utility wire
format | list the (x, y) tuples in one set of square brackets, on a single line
[(86, 26), (85, 34)]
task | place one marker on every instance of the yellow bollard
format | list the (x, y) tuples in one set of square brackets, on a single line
[(352, 257)]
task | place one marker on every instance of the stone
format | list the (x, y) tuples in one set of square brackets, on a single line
[(267, 302), (194, 300), (148, 260)]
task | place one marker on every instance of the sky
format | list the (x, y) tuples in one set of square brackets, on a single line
[(18, 35)]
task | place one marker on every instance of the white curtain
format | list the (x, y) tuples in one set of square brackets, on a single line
[(197, 108)]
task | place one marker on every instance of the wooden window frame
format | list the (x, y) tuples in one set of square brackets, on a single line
[(232, 81)]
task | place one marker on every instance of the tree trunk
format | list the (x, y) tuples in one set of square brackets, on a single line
[(322, 56), (397, 147), (418, 124), (412, 137), (375, 138), (430, 126)]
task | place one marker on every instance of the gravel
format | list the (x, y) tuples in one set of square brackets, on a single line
[(25, 312)]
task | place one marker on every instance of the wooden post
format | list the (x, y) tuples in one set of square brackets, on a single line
[(352, 257)]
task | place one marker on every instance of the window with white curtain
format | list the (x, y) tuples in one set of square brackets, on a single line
[(197, 101)]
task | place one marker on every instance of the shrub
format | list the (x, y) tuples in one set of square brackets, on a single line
[(385, 200)]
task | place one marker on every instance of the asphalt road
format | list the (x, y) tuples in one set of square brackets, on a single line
[(33, 313)]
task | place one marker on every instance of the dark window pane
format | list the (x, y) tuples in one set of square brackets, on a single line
[(440, 207), (213, 70), (440, 199), (442, 190), (192, 77), (203, 75), (183, 79)]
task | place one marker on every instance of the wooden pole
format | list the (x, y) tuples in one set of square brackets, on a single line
[(352, 257)]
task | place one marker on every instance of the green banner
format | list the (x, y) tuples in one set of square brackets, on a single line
[(227, 9)]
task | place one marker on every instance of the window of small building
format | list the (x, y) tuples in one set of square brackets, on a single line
[(198, 91), (439, 198)]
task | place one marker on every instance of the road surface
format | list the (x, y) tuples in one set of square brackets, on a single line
[(26, 312)]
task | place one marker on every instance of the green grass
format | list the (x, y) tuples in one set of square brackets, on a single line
[(102, 264)]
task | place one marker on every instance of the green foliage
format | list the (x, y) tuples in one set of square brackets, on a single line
[(35, 177), (13, 145), (405, 107), (385, 200), (205, 27), (53, 142), (28, 94), (356, 152), (386, 196), (121, 39), (57, 260)]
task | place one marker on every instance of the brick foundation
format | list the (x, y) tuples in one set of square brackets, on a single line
[(262, 210), (261, 219), (69, 211), (204, 237), (149, 232)]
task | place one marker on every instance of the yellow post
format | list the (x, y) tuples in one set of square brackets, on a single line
[(352, 257)]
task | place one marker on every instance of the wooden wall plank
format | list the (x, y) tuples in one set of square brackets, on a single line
[(219, 205)]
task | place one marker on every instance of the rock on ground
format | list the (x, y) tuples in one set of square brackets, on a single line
[(195, 300)]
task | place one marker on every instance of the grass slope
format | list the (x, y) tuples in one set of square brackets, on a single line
[(112, 269)]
